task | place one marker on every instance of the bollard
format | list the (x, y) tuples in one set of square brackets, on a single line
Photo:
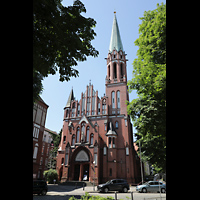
[(131, 195), (115, 195), (75, 185), (83, 186)]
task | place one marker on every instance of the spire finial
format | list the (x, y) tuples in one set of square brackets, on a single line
[(114, 12)]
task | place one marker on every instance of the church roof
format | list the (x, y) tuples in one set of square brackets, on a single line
[(71, 97), (115, 40), (110, 130)]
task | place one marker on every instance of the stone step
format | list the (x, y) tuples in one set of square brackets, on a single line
[(77, 183)]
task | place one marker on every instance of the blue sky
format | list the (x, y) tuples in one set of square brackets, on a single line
[(56, 93)]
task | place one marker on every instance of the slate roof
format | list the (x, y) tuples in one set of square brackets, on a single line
[(115, 40)]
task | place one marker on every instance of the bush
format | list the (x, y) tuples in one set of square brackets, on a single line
[(50, 175), (88, 197)]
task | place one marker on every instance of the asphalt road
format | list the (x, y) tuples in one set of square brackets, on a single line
[(62, 192)]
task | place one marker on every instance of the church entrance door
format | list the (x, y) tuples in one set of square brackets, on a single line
[(81, 166), (76, 172)]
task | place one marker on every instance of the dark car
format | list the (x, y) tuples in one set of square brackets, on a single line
[(114, 185), (40, 187)]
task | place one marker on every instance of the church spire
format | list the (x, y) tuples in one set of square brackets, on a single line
[(115, 40), (71, 97)]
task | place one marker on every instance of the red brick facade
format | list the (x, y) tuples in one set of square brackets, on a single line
[(39, 118), (97, 137)]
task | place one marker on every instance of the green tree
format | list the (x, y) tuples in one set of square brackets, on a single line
[(50, 175), (52, 155), (61, 37), (148, 111)]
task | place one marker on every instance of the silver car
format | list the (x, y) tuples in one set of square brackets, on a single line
[(152, 186)]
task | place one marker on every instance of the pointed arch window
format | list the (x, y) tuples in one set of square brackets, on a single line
[(91, 139), (121, 69), (73, 109), (118, 99), (78, 135), (87, 134), (115, 70), (73, 140), (113, 99)]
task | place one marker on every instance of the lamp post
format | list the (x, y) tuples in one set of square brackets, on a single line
[(93, 176), (141, 163)]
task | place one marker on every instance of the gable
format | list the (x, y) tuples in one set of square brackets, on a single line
[(84, 119)]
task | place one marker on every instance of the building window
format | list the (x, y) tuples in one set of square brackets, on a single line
[(104, 107), (98, 108), (43, 149), (64, 139), (125, 122), (73, 140), (66, 155), (113, 142), (110, 174), (115, 70), (104, 151), (78, 135), (88, 105), (113, 99), (95, 159), (118, 99), (73, 109), (83, 132), (91, 139), (66, 159), (78, 110), (121, 69), (35, 151), (108, 71), (109, 145), (36, 132), (93, 104), (41, 160), (116, 125), (67, 113), (127, 151), (83, 104), (87, 134)]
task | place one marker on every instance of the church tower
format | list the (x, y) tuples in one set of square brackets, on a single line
[(121, 158), (116, 79)]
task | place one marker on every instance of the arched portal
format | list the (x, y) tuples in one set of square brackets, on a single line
[(80, 164)]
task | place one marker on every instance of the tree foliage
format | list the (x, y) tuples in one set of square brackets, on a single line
[(148, 111), (61, 38), (50, 175)]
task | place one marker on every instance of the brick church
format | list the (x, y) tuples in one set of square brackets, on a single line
[(97, 138)]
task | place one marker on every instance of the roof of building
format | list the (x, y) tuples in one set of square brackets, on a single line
[(71, 97), (50, 131), (110, 130), (42, 101), (115, 40)]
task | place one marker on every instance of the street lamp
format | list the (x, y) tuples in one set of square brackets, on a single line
[(141, 163), (93, 177)]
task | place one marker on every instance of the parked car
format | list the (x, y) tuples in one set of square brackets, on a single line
[(40, 187), (151, 186), (114, 185)]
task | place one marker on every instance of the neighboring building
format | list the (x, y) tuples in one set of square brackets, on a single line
[(97, 137), (39, 118), (46, 149), (145, 164)]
